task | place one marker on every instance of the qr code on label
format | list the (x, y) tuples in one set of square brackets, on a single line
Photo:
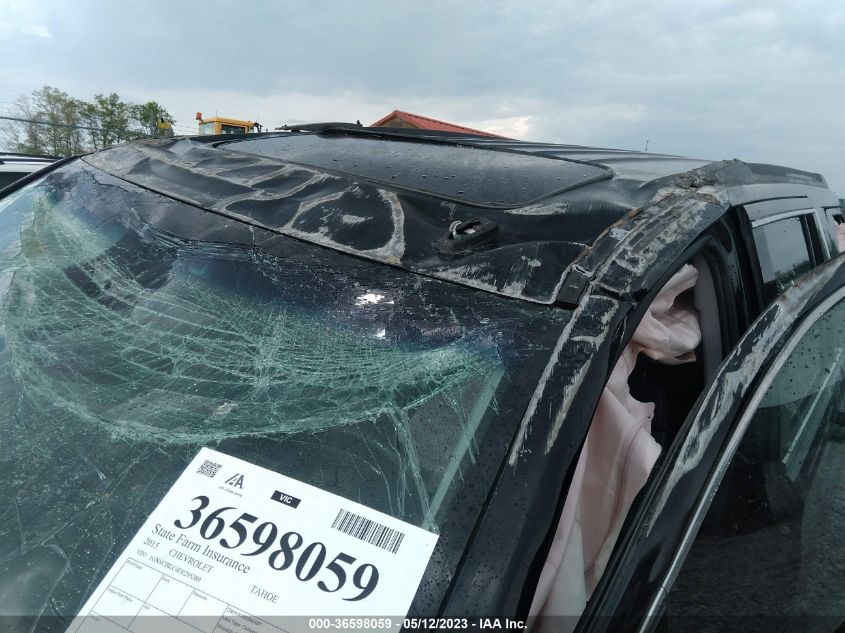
[(209, 469)]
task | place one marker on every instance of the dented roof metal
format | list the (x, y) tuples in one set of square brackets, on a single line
[(596, 242), (390, 196)]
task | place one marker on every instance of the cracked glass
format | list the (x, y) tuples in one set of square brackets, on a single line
[(124, 348)]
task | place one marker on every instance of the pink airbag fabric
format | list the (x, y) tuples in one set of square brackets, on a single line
[(615, 462)]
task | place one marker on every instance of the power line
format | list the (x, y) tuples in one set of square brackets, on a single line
[(186, 128), (78, 127)]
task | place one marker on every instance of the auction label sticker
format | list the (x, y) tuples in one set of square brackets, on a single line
[(236, 547)]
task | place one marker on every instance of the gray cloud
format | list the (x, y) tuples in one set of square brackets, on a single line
[(762, 81)]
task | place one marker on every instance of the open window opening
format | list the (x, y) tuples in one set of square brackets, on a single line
[(674, 351), (837, 218), (674, 387)]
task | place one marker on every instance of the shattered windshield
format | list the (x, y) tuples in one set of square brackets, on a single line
[(125, 348)]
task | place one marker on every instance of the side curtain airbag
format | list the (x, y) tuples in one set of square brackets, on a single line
[(618, 455)]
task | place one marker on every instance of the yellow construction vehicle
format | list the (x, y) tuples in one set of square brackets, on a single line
[(224, 125)]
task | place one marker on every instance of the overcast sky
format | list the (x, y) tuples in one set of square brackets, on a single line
[(759, 81)]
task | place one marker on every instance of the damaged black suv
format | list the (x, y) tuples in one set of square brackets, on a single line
[(427, 324)]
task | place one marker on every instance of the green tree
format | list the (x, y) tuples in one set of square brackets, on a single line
[(109, 119), (23, 137), (148, 116), (56, 123), (50, 126), (55, 107)]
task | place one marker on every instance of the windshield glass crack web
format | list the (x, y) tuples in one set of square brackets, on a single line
[(124, 349)]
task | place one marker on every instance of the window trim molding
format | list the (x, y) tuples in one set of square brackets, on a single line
[(780, 216), (817, 247), (818, 221)]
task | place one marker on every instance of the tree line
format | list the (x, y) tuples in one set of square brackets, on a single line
[(52, 122)]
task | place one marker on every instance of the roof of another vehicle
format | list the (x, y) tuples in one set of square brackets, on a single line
[(421, 122), (11, 157), (17, 155), (223, 119), (24, 163)]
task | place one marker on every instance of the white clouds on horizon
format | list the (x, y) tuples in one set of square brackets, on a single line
[(762, 81), (37, 30), (22, 18)]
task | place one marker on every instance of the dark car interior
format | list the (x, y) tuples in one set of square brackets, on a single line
[(674, 389)]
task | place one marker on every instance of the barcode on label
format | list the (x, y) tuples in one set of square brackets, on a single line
[(369, 531)]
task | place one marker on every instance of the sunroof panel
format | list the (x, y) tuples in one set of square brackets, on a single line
[(467, 174)]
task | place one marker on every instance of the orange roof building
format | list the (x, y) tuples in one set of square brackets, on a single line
[(401, 119)]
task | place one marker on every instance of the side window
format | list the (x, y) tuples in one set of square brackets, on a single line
[(232, 129), (8, 177), (771, 542), (836, 221), (785, 250)]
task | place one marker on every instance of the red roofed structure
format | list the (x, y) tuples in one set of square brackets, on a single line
[(401, 119)]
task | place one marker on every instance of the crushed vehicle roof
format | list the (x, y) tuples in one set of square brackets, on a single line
[(392, 195)]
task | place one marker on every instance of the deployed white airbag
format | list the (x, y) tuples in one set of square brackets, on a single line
[(616, 459)]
